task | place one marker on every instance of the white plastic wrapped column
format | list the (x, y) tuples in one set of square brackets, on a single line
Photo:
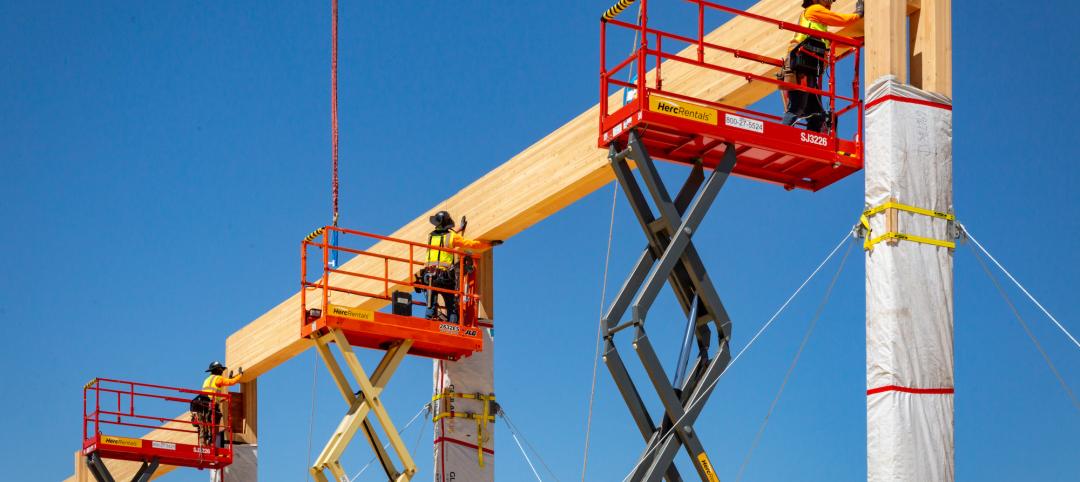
[(909, 288), (456, 450), (244, 468)]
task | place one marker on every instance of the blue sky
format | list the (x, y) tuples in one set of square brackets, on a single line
[(161, 161)]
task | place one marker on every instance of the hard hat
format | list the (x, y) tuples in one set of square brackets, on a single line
[(215, 366), (442, 220)]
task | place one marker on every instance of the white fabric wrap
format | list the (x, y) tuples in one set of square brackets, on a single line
[(909, 289), (456, 438), (244, 468)]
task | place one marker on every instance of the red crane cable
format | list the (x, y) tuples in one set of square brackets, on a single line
[(334, 102)]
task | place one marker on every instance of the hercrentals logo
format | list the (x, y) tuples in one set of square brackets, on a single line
[(684, 110), (121, 441), (356, 314), (814, 139), (706, 467)]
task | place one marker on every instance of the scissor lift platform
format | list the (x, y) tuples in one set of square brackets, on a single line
[(333, 296), (333, 313), (372, 329), (116, 412), (683, 127)]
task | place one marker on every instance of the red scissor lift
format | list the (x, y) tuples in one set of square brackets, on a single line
[(766, 149), (116, 414), (670, 121), (336, 307)]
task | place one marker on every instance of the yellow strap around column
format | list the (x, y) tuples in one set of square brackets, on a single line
[(870, 241)]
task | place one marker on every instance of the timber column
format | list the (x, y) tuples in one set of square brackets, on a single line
[(909, 234), (464, 407)]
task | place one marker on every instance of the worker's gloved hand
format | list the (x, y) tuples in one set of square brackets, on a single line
[(860, 8), (496, 242)]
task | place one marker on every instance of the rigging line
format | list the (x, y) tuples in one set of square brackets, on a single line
[(1027, 329), (387, 444), (1018, 285), (694, 404), (794, 362), (527, 460), (311, 417), (334, 103), (513, 429), (599, 330)]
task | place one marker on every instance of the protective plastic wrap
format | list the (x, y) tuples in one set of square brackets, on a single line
[(909, 287), (244, 468), (456, 450)]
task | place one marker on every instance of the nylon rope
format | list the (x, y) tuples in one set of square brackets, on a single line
[(1027, 329), (1018, 285), (599, 330), (768, 323), (424, 409), (794, 362), (514, 431), (334, 104)]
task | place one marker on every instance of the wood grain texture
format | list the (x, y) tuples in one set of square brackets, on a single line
[(546, 177), (931, 47)]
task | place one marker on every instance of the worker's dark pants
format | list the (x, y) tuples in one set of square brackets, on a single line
[(804, 105), (445, 279)]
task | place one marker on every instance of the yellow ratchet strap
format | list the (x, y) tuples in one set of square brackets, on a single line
[(870, 241), (481, 418)]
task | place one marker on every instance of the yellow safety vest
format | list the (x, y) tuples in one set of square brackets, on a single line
[(804, 22), (210, 385), (439, 258)]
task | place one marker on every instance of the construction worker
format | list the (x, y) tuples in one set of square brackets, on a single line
[(805, 64), (216, 382), (441, 268)]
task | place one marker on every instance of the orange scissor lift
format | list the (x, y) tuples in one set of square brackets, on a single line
[(667, 120), (116, 413), (340, 306)]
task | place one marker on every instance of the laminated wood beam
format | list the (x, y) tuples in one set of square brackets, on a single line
[(548, 176)]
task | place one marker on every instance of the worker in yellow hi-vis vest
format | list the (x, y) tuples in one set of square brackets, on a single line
[(211, 411), (805, 63), (441, 269)]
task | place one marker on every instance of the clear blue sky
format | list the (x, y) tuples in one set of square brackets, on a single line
[(161, 160)]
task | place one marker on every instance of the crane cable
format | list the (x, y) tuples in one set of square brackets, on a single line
[(334, 105), (333, 185), (794, 362), (603, 290), (599, 330)]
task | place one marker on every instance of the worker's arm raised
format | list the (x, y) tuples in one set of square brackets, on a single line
[(223, 382), (820, 14), (461, 242)]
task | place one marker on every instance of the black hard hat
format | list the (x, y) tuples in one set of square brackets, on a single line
[(442, 220), (215, 366)]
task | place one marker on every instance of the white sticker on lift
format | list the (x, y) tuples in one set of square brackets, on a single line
[(739, 122), (164, 445)]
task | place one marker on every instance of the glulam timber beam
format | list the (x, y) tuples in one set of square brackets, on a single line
[(548, 176), (551, 174)]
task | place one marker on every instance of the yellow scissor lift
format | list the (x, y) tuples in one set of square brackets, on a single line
[(397, 333)]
